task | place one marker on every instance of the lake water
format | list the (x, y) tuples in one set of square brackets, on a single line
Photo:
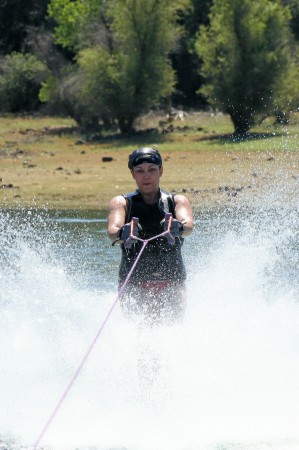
[(225, 378)]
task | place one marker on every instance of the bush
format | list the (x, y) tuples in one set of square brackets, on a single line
[(65, 96), (21, 76)]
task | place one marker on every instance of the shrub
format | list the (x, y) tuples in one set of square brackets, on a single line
[(65, 96), (21, 76)]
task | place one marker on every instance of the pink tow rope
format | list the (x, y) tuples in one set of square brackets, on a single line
[(131, 239)]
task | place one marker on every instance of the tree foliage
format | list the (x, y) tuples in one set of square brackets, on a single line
[(247, 61), (293, 5), (64, 96), (184, 59), (21, 76), (128, 70), (112, 60), (75, 21)]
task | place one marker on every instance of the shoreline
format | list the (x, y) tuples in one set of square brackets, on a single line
[(44, 163)]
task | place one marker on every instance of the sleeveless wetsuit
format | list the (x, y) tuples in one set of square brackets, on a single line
[(159, 261)]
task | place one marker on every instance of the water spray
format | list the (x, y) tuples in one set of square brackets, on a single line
[(128, 243)]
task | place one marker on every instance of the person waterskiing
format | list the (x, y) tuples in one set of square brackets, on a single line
[(156, 288)]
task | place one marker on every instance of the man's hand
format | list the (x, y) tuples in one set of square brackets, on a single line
[(176, 227), (125, 231)]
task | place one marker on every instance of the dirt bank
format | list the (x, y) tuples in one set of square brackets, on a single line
[(46, 163)]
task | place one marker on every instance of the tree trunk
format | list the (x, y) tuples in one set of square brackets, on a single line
[(282, 117), (242, 123), (126, 125), (88, 124)]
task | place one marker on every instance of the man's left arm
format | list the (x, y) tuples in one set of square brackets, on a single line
[(183, 213)]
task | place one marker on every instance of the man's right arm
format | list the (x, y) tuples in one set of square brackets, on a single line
[(183, 213), (116, 216)]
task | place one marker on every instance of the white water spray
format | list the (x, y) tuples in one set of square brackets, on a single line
[(225, 378)]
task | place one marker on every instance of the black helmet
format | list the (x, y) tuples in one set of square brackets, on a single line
[(144, 154)]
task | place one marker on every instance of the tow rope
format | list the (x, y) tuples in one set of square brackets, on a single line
[(131, 239)]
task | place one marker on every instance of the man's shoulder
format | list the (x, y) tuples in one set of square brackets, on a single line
[(179, 196), (131, 194), (181, 199), (117, 201)]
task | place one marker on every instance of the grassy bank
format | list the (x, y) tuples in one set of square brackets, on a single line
[(45, 162)]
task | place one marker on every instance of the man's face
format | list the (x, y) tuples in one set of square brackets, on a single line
[(147, 177)]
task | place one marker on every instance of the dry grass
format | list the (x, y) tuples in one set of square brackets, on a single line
[(44, 162)]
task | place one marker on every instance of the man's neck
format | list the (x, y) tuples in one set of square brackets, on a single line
[(151, 198)]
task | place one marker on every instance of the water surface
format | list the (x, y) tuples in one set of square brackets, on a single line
[(225, 378)]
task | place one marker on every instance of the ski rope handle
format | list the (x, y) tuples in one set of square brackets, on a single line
[(167, 234)]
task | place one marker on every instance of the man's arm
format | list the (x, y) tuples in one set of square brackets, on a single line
[(116, 216), (183, 213)]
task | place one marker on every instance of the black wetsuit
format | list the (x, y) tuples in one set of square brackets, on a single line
[(159, 261)]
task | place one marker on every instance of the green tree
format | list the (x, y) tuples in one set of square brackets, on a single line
[(247, 59), (125, 64), (21, 76)]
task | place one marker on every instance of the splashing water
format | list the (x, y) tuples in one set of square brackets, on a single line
[(225, 378)]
